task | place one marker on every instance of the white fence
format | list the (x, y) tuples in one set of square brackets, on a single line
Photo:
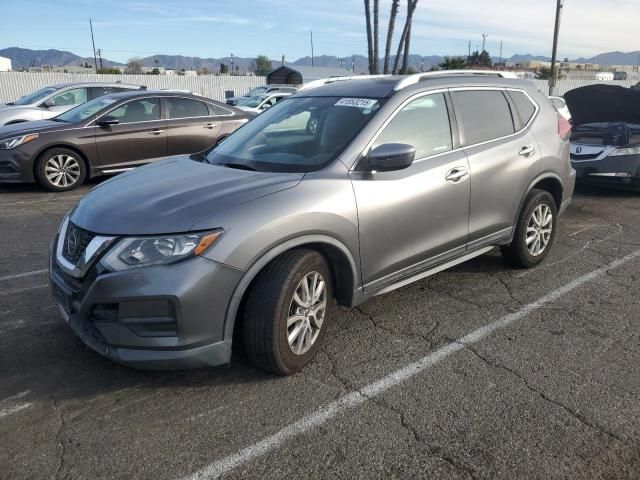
[(13, 85), (563, 86)]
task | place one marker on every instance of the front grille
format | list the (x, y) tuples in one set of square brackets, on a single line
[(76, 241)]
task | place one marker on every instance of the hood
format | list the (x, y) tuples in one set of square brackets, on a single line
[(172, 195), (37, 126), (603, 104)]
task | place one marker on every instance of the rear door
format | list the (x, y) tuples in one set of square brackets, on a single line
[(191, 125), (503, 157), (138, 138)]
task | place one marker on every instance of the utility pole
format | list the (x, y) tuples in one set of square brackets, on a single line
[(469, 56), (500, 51), (554, 54), (311, 32), (100, 57), (353, 63), (95, 60), (231, 72), (484, 40)]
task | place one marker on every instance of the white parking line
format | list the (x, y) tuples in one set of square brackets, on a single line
[(21, 290), (330, 411), (25, 274)]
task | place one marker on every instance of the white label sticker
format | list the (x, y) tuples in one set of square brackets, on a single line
[(356, 102)]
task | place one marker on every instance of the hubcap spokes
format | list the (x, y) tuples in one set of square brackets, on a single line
[(539, 230), (306, 313), (62, 170)]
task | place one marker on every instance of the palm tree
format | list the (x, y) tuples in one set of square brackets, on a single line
[(392, 20), (452, 63), (406, 32), (376, 53), (367, 13)]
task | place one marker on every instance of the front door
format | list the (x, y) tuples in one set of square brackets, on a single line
[(414, 218), (191, 126), (139, 137)]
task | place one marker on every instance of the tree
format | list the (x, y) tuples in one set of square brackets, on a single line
[(480, 58), (376, 53), (403, 45), (544, 73), (262, 65), (155, 71), (109, 71), (367, 14), (224, 69), (392, 20), (452, 63), (134, 66)]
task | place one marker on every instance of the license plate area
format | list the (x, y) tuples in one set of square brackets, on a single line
[(63, 298)]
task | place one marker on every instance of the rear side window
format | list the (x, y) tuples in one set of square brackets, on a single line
[(74, 96), (483, 115), (95, 92), (422, 123), (185, 108), (525, 108), (217, 110)]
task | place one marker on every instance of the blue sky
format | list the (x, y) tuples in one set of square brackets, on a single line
[(216, 28)]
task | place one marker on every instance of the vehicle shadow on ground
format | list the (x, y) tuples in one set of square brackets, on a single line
[(35, 189)]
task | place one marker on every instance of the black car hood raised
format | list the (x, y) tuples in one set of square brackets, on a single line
[(172, 195), (37, 126), (602, 104)]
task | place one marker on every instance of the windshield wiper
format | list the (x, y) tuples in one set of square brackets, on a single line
[(238, 166), (56, 119)]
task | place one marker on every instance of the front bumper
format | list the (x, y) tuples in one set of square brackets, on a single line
[(158, 317), (16, 166), (620, 172)]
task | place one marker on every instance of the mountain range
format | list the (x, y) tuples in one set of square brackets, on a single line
[(23, 58)]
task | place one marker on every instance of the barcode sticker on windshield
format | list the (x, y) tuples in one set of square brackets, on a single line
[(356, 102)]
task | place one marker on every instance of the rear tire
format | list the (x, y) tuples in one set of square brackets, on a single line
[(283, 329), (60, 169), (535, 231)]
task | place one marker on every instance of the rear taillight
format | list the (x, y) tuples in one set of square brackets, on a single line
[(564, 127)]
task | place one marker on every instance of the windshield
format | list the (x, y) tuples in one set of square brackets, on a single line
[(251, 102), (35, 96), (296, 135), (84, 111), (256, 91)]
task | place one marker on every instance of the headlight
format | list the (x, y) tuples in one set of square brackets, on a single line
[(144, 251), (618, 152), (14, 142)]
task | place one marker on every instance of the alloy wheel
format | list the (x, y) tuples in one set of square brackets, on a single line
[(62, 170), (306, 313), (539, 229)]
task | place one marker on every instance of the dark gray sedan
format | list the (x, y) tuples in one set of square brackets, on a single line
[(112, 134)]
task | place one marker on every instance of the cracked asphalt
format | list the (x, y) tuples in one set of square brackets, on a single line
[(555, 394)]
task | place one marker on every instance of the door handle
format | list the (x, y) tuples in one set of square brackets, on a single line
[(456, 174), (210, 126), (527, 151), (157, 131)]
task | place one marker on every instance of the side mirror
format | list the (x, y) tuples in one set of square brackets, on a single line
[(49, 103), (391, 156), (265, 106), (107, 121)]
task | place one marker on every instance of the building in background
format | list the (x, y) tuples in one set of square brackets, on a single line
[(5, 64)]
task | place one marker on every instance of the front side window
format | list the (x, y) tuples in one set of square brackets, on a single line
[(75, 96), (301, 134), (86, 110), (422, 123), (178, 107), (35, 96), (483, 115), (143, 110)]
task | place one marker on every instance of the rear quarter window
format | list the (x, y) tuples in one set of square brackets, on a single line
[(483, 115), (526, 109)]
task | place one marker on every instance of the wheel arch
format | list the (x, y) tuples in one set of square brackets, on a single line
[(73, 148), (549, 182), (339, 259)]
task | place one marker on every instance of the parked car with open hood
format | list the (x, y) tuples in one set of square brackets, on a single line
[(49, 102), (605, 141), (399, 178), (112, 134)]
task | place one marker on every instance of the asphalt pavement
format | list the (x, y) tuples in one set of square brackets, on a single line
[(482, 371)]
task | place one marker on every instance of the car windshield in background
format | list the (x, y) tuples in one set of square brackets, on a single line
[(84, 111), (256, 91), (252, 102), (35, 96), (296, 135)]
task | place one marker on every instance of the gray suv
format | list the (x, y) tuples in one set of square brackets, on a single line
[(49, 102), (343, 192)]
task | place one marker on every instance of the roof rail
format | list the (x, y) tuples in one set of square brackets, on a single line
[(413, 79), (325, 81)]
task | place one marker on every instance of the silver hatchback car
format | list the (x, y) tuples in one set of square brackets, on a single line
[(343, 192), (49, 102)]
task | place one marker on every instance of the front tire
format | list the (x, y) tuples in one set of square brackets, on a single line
[(60, 169), (535, 231), (287, 312)]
